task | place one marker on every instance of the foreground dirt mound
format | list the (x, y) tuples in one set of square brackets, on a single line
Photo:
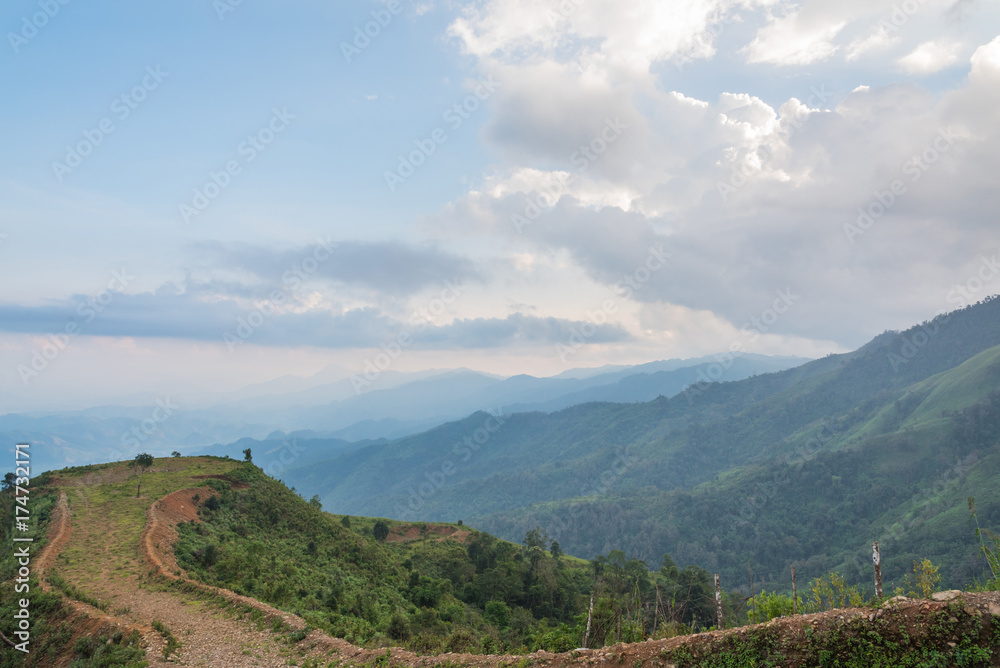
[(956, 629)]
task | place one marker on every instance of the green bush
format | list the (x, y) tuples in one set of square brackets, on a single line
[(765, 606)]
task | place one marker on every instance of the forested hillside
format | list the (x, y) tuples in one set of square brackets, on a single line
[(429, 587), (804, 466)]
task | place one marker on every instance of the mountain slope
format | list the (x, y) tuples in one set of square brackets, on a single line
[(864, 433), (122, 588)]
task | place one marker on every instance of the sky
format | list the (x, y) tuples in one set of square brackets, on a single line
[(215, 193)]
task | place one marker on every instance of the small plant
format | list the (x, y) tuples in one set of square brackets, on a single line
[(922, 582), (991, 552), (832, 591), (172, 643)]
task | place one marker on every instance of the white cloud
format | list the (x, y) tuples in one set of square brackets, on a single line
[(879, 40), (793, 177), (598, 37), (793, 40), (986, 60), (930, 57)]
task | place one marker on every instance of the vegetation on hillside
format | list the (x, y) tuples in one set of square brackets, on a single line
[(483, 594), (433, 592), (260, 539), (818, 511), (437, 588), (799, 468)]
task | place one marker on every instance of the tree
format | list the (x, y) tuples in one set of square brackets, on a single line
[(142, 462), (345, 522), (556, 550), (380, 530), (9, 481), (247, 455), (315, 502), (535, 538), (175, 454)]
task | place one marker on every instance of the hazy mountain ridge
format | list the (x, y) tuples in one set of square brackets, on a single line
[(607, 476), (315, 408)]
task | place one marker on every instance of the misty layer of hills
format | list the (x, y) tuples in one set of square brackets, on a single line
[(328, 410)]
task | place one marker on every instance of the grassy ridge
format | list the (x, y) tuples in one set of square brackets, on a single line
[(263, 540), (433, 587)]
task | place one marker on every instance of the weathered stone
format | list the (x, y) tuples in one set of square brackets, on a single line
[(942, 596)]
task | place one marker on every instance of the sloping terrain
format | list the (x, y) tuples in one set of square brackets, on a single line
[(803, 467), (112, 558)]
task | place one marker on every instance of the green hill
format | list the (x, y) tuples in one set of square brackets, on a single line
[(802, 467), (106, 581), (430, 587)]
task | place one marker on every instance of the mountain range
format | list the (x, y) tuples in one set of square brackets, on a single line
[(801, 467), (326, 408)]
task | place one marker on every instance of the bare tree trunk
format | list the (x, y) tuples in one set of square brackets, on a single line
[(656, 610), (795, 595), (718, 601), (7, 640), (877, 558), (590, 615)]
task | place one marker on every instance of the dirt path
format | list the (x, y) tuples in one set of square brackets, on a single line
[(60, 529), (86, 620), (209, 636)]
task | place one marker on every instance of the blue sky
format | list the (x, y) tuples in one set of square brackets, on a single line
[(740, 138)]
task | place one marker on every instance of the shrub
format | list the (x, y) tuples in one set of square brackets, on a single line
[(399, 628), (380, 530), (832, 591), (766, 606), (922, 582), (989, 546), (498, 613)]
